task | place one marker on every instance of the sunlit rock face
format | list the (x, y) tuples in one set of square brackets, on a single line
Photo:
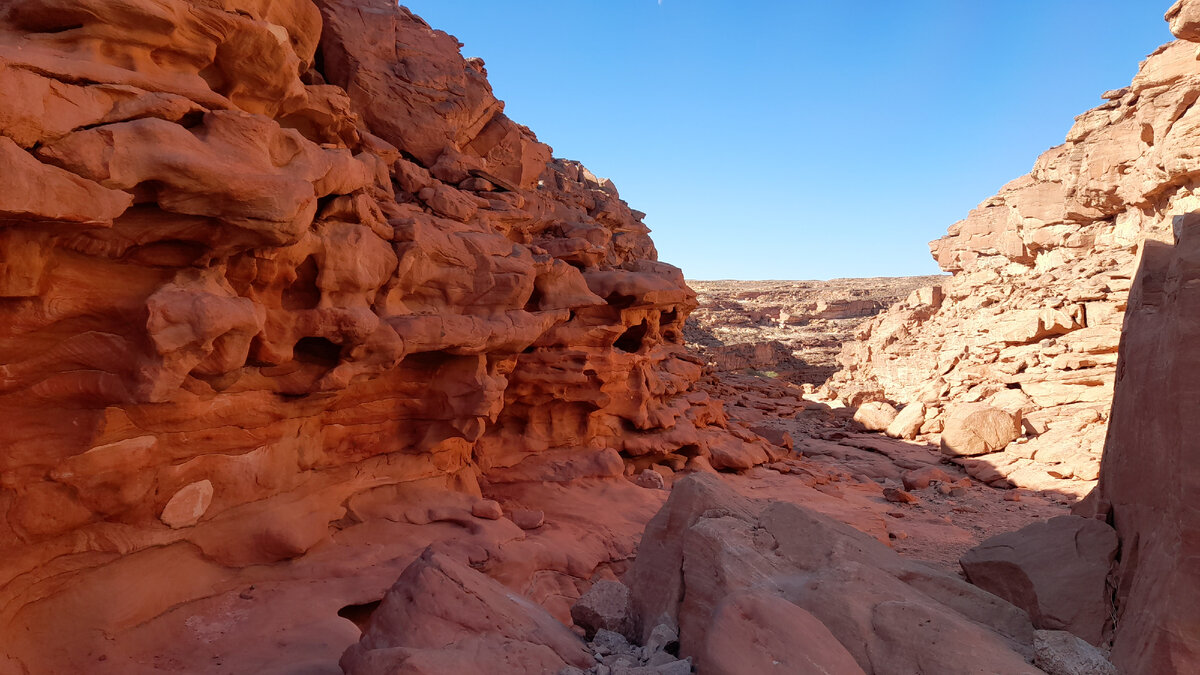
[(1031, 319), (260, 256)]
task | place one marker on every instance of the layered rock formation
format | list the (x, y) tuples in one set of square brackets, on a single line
[(265, 262), (1031, 319)]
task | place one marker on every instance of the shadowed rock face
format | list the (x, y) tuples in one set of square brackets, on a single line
[(260, 256), (1149, 483), (1031, 319)]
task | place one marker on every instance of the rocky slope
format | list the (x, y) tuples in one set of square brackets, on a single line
[(1031, 319), (794, 328), (272, 267)]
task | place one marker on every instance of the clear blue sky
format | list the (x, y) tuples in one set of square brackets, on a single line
[(804, 139)]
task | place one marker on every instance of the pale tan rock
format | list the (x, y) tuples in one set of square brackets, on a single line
[(875, 415), (979, 430), (188, 505), (908, 422)]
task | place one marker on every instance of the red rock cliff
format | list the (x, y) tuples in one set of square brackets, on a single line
[(260, 256)]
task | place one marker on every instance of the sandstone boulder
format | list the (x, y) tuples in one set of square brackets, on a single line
[(979, 430), (716, 563), (1058, 652), (760, 632), (1055, 570), (907, 423), (442, 616), (875, 415)]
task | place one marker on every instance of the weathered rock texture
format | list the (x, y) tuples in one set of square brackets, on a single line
[(815, 594), (1150, 481), (1056, 570), (1031, 319), (262, 261)]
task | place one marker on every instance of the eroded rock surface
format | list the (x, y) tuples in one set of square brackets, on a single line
[(713, 561), (273, 267), (1149, 486), (1031, 319)]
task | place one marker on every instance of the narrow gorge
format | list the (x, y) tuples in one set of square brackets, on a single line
[(313, 361)]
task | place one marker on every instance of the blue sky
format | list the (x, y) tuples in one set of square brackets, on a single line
[(803, 139)]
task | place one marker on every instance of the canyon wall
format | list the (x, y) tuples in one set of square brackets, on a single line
[(1149, 482), (261, 259), (1031, 319)]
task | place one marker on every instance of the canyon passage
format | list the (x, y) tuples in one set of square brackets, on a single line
[(312, 361)]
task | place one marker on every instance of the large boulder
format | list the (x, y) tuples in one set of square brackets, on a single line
[(442, 616), (875, 415), (761, 632), (1056, 570), (907, 423), (719, 565), (978, 430)]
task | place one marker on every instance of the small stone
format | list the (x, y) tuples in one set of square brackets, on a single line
[(919, 479), (606, 605), (488, 509), (660, 659), (528, 519), (650, 479), (1058, 652), (607, 642), (663, 638), (187, 506), (683, 667), (571, 670), (899, 496), (1012, 496)]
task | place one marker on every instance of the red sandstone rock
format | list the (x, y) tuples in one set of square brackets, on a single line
[(488, 509), (268, 264), (707, 545), (1056, 570), (759, 632), (899, 496), (1149, 479), (875, 415), (606, 605), (919, 479), (907, 423), (528, 519), (442, 616)]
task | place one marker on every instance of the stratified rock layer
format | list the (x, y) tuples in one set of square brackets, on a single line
[(1031, 319), (261, 261)]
